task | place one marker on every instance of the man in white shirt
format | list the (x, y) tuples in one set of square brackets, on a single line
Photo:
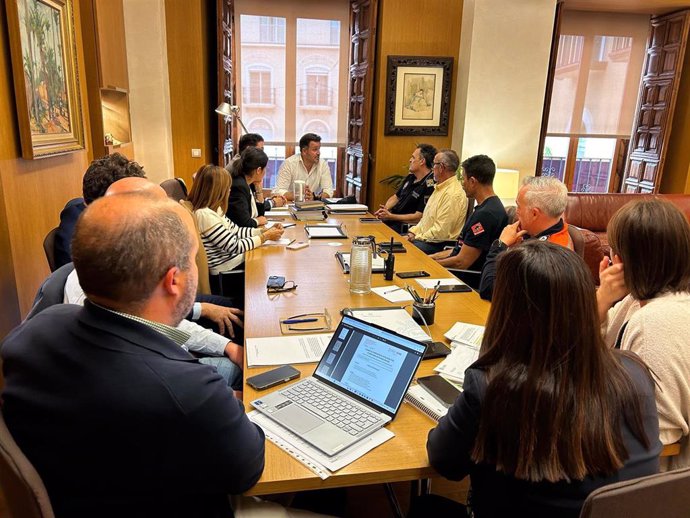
[(307, 166), (444, 214)]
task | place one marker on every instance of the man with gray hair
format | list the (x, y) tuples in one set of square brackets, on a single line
[(116, 417), (444, 214), (541, 202)]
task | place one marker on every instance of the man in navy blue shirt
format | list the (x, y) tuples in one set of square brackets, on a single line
[(485, 223)]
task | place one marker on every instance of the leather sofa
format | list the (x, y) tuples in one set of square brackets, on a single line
[(593, 211)]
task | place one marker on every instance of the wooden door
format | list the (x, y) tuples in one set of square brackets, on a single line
[(656, 103), (226, 81), (360, 92)]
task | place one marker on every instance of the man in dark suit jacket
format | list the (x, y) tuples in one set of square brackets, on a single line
[(116, 417)]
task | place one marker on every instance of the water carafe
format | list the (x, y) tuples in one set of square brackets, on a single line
[(363, 248)]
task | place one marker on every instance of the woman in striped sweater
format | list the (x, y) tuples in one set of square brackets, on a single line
[(225, 242)]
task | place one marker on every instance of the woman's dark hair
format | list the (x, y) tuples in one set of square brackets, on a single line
[(556, 395), (250, 159), (652, 238)]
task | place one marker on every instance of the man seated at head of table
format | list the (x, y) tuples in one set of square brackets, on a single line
[(541, 202), (124, 422), (306, 166), (223, 354), (444, 214), (406, 206), (261, 205), (486, 222)]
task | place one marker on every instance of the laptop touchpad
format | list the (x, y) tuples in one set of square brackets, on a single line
[(297, 419)]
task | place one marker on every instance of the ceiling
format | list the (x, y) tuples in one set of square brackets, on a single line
[(628, 6)]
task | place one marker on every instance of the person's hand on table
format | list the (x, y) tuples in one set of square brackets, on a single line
[(308, 195), (272, 233), (278, 200), (261, 221), (382, 213), (223, 316), (410, 236)]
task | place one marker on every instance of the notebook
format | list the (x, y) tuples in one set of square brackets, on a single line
[(356, 389)]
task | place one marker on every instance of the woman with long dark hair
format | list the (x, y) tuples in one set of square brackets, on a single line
[(548, 412), (650, 246), (247, 177)]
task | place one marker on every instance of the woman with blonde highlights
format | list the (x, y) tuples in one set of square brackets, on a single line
[(548, 413), (225, 242), (650, 246)]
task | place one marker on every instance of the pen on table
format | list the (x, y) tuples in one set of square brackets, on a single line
[(299, 320), (291, 242), (391, 291)]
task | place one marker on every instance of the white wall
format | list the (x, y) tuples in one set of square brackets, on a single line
[(504, 57), (149, 92)]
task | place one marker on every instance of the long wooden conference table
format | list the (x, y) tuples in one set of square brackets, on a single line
[(322, 284)]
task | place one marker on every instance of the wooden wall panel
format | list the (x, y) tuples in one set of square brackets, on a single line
[(432, 28), (33, 193), (189, 76)]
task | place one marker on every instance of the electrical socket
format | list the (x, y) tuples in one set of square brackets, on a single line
[(196, 153)]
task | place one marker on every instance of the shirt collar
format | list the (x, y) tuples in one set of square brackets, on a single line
[(553, 229), (174, 334), (445, 183)]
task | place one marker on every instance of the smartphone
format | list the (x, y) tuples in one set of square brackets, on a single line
[(436, 350), (410, 275), (454, 288), (275, 282), (370, 220), (440, 388), (297, 245), (273, 377)]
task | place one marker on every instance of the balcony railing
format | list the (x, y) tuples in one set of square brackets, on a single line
[(322, 97), (591, 174)]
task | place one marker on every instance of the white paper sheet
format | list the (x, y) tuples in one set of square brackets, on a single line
[(284, 241), (347, 207), (281, 350), (431, 283), (393, 293), (456, 363), (322, 231), (377, 263), (469, 334), (271, 224), (307, 454), (395, 319)]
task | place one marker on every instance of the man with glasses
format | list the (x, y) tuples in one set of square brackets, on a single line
[(407, 204), (445, 211)]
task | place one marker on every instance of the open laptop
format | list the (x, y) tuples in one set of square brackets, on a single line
[(356, 389)]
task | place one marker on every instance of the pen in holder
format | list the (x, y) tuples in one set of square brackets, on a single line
[(423, 313)]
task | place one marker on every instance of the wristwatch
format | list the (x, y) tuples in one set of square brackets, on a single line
[(499, 245)]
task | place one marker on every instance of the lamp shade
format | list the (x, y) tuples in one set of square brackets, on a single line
[(224, 109), (506, 184)]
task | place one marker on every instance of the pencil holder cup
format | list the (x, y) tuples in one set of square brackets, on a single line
[(423, 313)]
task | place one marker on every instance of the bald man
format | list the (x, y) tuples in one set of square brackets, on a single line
[(226, 356), (117, 418)]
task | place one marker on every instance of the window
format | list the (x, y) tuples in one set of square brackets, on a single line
[(259, 90), (293, 75), (593, 99)]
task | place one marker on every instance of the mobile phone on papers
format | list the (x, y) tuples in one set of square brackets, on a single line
[(273, 377), (454, 288), (436, 350), (440, 388), (412, 275)]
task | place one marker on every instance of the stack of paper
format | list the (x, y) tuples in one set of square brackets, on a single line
[(469, 334), (282, 350), (348, 208), (466, 340), (395, 319)]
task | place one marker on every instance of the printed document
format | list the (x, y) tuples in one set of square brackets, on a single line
[(395, 319), (283, 350)]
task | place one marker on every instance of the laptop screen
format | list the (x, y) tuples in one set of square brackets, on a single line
[(370, 363)]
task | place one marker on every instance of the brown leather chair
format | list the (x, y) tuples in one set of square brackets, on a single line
[(175, 188), (588, 246), (664, 494), (25, 494), (49, 248)]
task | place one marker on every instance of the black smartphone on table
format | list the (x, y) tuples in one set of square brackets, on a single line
[(440, 388), (436, 350), (454, 288), (370, 220), (411, 275), (273, 377)]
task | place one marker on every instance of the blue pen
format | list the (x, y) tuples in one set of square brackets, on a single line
[(300, 320)]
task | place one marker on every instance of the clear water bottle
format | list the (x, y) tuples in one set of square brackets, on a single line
[(360, 264)]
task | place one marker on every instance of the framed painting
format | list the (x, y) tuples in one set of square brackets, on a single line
[(418, 95), (46, 82)]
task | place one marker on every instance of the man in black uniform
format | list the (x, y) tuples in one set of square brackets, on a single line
[(407, 204), (486, 222)]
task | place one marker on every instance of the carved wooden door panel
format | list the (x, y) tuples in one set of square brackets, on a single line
[(360, 92), (225, 30), (656, 103)]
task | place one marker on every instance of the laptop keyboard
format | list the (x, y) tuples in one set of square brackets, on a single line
[(340, 412)]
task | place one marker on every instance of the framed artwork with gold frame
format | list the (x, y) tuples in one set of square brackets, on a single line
[(46, 82)]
